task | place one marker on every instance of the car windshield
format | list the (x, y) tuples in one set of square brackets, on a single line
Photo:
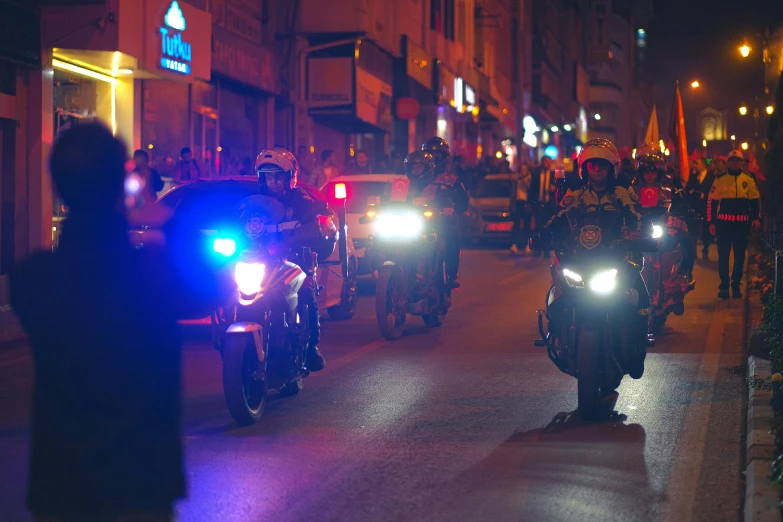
[(357, 193), (208, 205), (493, 188)]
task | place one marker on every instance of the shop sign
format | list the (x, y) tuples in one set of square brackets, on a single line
[(176, 53), (239, 59), (407, 108), (329, 82), (373, 99)]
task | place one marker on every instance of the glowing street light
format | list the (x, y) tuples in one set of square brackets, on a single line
[(695, 84), (744, 50), (498, 154), (733, 137), (770, 109), (743, 110), (703, 143), (566, 127), (554, 128), (744, 145), (597, 116), (666, 152)]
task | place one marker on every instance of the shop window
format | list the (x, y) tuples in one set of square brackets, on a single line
[(165, 125), (448, 18), (238, 132), (436, 16)]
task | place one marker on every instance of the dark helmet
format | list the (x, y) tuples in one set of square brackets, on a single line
[(648, 158), (419, 165), (598, 149), (277, 160), (439, 148)]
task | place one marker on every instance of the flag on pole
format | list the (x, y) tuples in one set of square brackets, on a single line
[(652, 128), (679, 145)]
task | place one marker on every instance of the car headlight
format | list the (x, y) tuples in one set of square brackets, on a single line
[(604, 282), (248, 277), (399, 226), (572, 278), (657, 231)]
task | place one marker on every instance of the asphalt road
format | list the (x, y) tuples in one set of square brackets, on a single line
[(466, 422)]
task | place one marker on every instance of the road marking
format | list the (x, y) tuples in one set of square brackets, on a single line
[(685, 476)]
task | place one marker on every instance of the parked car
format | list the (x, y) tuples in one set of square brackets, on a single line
[(490, 211), (359, 188), (208, 206)]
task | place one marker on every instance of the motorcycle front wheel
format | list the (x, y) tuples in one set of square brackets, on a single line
[(390, 302), (244, 382), (589, 380)]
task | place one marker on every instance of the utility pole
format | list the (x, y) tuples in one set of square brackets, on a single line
[(517, 56)]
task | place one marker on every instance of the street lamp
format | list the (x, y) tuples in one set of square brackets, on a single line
[(770, 109), (744, 145), (695, 84), (743, 110), (744, 51), (597, 116), (733, 137)]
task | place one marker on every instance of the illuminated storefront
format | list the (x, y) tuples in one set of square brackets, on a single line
[(107, 72)]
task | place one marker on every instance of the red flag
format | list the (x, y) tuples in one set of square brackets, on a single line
[(399, 191), (649, 197), (677, 137)]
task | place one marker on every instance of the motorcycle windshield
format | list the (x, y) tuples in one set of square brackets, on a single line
[(593, 234)]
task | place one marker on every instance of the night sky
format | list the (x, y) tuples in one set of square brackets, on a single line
[(698, 39)]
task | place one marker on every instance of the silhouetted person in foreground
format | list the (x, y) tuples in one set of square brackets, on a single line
[(102, 323)]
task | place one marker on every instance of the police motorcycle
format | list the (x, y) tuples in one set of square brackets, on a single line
[(666, 219), (409, 255), (590, 305), (263, 335)]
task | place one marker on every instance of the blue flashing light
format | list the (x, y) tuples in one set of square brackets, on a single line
[(225, 246), (551, 152)]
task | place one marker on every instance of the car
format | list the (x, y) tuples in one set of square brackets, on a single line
[(208, 205), (359, 188), (490, 212)]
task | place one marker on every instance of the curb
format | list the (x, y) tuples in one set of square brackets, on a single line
[(761, 499)]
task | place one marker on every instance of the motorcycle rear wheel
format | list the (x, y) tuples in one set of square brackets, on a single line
[(245, 392), (589, 380), (390, 302)]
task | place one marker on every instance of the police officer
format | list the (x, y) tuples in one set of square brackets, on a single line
[(732, 208), (597, 163), (652, 174), (420, 168), (447, 186), (278, 171)]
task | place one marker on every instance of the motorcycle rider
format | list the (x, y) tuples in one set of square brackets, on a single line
[(278, 171), (652, 174), (446, 189), (597, 163)]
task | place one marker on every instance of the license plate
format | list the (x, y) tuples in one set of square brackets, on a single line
[(499, 227)]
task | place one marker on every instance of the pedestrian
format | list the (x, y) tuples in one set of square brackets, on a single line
[(520, 234), (383, 164), (541, 195), (150, 181), (732, 209), (397, 162), (361, 163), (306, 162), (187, 168), (325, 171), (697, 191), (106, 415)]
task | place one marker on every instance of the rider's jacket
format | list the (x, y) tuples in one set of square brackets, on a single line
[(614, 199), (446, 191), (733, 198)]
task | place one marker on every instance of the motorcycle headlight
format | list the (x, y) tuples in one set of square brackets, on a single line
[(248, 277), (604, 282), (572, 278), (657, 231), (399, 226)]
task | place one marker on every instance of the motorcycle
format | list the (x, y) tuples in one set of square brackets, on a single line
[(590, 307), (410, 258), (667, 283), (264, 334)]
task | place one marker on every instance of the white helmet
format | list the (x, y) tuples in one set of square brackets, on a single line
[(275, 160), (598, 148)]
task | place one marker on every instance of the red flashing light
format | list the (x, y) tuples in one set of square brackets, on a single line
[(340, 191)]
